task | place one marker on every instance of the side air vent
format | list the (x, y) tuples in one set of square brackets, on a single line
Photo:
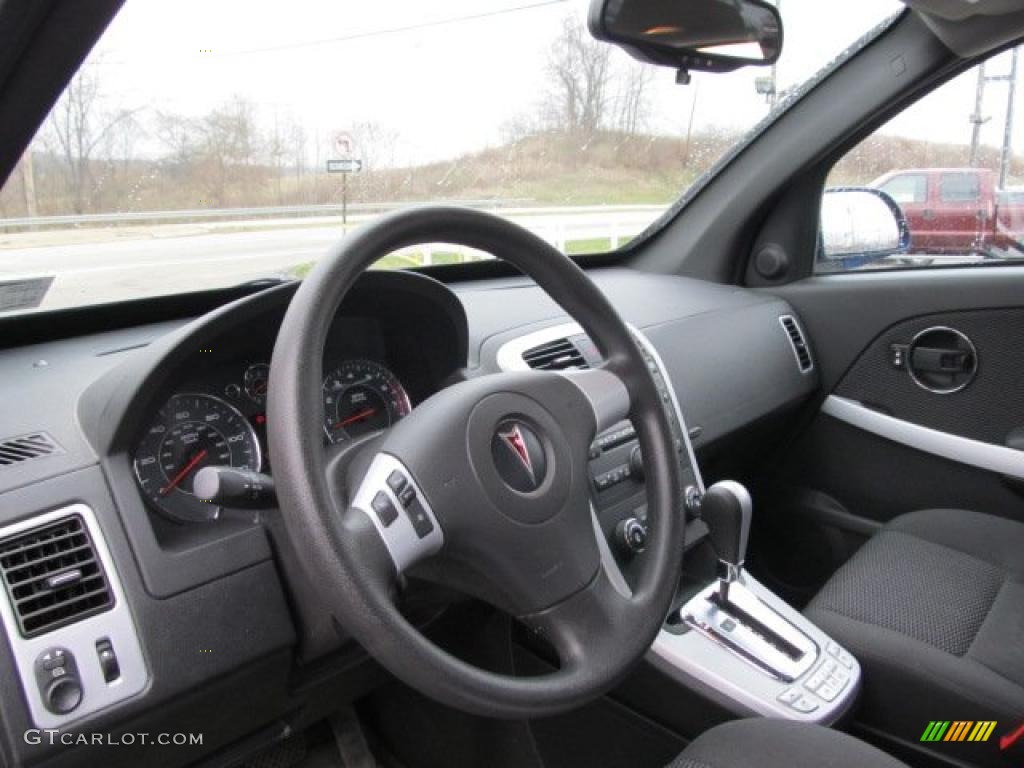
[(557, 355), (796, 339), (53, 576), (34, 446)]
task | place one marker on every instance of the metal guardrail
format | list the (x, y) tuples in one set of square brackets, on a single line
[(242, 214), (135, 217)]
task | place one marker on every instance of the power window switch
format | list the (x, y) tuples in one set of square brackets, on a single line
[(828, 691), (804, 705), (815, 680), (384, 508), (108, 660), (789, 695)]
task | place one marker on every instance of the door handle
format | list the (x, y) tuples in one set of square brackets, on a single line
[(941, 360), (928, 213), (937, 360)]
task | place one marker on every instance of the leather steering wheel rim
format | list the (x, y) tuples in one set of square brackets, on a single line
[(599, 635)]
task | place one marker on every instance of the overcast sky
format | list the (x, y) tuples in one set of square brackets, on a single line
[(444, 83)]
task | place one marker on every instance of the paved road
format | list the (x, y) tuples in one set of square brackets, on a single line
[(117, 264)]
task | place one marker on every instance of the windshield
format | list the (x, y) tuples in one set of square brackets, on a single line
[(206, 144)]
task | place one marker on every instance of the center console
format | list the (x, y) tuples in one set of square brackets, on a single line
[(729, 638)]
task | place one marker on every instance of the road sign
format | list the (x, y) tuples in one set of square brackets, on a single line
[(346, 165), (343, 143)]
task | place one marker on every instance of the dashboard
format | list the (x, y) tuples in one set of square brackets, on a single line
[(214, 602)]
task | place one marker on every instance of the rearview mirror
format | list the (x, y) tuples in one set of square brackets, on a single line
[(860, 225), (707, 35)]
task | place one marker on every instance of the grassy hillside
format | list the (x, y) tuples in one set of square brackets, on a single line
[(540, 169)]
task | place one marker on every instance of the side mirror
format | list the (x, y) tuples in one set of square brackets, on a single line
[(708, 35), (860, 225)]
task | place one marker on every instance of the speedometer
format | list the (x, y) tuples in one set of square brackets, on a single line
[(190, 432), (361, 396)]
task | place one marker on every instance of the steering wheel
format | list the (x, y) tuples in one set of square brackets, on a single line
[(489, 474)]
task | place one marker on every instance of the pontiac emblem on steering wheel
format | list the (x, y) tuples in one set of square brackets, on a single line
[(519, 456)]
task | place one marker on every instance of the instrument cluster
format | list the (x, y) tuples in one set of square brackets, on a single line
[(217, 418)]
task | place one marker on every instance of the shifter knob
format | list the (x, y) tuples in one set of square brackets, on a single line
[(726, 508)]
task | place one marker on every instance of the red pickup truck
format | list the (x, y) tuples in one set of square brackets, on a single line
[(957, 210)]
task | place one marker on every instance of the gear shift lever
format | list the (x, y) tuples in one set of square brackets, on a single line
[(726, 508)]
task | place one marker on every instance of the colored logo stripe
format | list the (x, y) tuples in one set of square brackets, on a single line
[(935, 730), (958, 730), (982, 730)]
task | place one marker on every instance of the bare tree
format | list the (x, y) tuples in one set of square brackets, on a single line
[(229, 144), (374, 144), (78, 126), (275, 146), (633, 99), (179, 137), (579, 68)]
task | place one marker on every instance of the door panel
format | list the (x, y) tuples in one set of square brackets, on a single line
[(836, 483)]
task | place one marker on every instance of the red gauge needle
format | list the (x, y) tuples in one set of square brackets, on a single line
[(183, 473), (357, 416)]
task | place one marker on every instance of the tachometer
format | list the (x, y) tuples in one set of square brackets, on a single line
[(361, 396), (190, 432)]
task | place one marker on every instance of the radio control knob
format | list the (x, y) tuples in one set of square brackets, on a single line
[(630, 537)]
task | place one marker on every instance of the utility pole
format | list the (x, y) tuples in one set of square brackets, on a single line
[(1011, 97), (978, 120), (976, 117), (28, 183)]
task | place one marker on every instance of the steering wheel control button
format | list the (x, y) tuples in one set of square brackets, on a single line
[(109, 665), (57, 678), (403, 518), (407, 495), (397, 482), (519, 456), (384, 508), (419, 518)]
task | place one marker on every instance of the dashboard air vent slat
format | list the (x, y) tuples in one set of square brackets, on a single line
[(53, 576), (557, 355), (797, 341), (17, 449)]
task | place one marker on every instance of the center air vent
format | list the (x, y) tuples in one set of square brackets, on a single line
[(17, 449), (53, 576), (799, 344), (557, 355)]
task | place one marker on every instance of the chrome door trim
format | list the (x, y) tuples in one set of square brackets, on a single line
[(989, 456)]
